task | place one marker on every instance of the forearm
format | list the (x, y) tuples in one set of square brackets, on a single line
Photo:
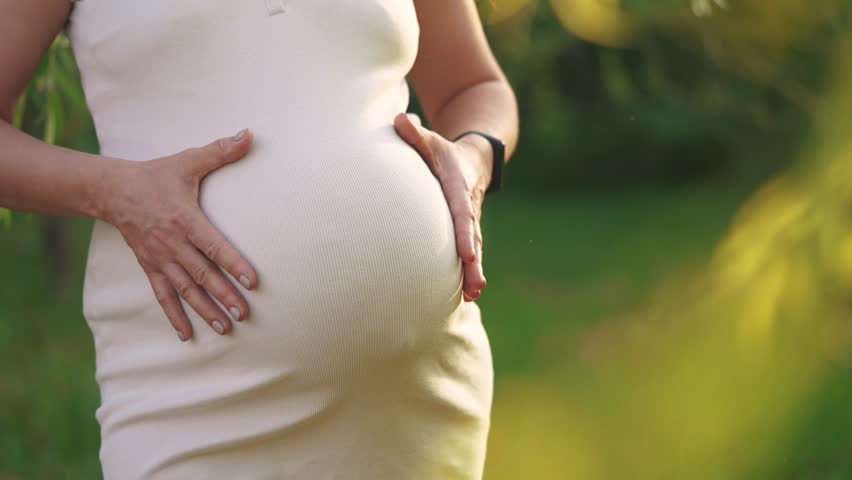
[(42, 178), (489, 106)]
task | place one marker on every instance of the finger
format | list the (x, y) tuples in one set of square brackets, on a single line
[(461, 209), (208, 276), (474, 280), (415, 136), (221, 152), (471, 280), (209, 240), (415, 118), (197, 298), (477, 241), (169, 301), (408, 131)]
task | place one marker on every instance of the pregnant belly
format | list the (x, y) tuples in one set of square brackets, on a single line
[(354, 247)]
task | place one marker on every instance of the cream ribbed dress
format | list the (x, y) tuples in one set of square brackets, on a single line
[(360, 359)]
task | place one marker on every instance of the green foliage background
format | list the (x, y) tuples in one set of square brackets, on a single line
[(668, 266)]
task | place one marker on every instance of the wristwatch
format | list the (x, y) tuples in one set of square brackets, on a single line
[(499, 150)]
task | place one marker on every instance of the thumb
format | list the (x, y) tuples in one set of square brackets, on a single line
[(412, 134), (223, 151)]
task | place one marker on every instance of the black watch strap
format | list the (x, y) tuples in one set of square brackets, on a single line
[(499, 150)]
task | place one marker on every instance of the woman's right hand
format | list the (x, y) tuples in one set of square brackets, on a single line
[(154, 204)]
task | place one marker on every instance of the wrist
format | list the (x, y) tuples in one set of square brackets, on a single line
[(108, 177), (480, 152)]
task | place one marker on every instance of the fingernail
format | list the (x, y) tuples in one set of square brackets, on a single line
[(235, 313), (245, 281), (219, 327), (239, 136), (181, 336)]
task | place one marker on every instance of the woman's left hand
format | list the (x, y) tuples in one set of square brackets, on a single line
[(464, 174)]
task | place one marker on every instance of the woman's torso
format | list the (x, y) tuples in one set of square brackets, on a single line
[(346, 226)]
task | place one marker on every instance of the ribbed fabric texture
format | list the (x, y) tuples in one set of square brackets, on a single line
[(360, 359)]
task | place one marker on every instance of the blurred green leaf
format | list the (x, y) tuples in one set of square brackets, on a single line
[(6, 218), (20, 108)]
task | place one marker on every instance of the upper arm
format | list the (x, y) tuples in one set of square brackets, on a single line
[(27, 28), (453, 52)]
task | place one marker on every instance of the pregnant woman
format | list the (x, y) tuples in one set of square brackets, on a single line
[(282, 273)]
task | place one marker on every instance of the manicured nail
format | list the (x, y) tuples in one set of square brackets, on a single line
[(219, 327), (239, 136), (245, 281), (181, 336), (235, 313)]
